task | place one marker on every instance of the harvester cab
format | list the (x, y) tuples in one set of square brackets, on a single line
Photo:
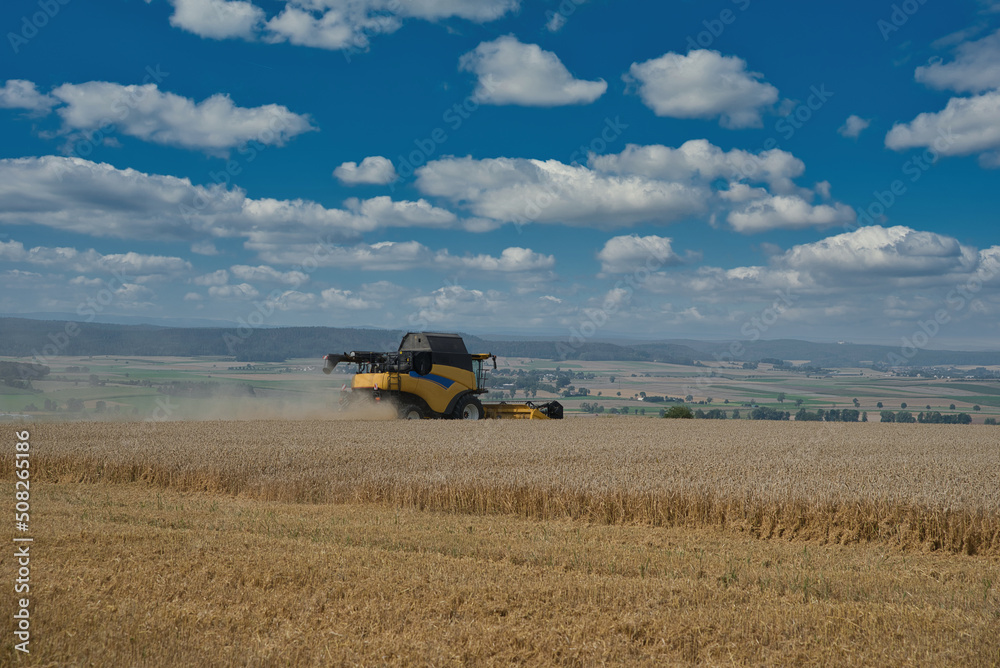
[(432, 375)]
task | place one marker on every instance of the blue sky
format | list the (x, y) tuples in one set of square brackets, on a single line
[(722, 170)]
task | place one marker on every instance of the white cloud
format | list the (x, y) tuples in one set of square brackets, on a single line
[(975, 69), (217, 19), (204, 248), (787, 212), (966, 125), (703, 84), (334, 298), (854, 126), (625, 254), (884, 259), (213, 125), (241, 291), (268, 274), (374, 169), (215, 278), (510, 72), (324, 24), (408, 255), (699, 159), (511, 260), (21, 94), (129, 266), (641, 184), (98, 199), (193, 297), (521, 190), (898, 252)]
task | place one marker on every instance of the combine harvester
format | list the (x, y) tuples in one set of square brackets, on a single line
[(433, 375)]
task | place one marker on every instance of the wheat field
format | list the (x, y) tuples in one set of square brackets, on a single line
[(626, 541)]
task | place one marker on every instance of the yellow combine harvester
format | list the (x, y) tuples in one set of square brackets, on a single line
[(433, 375)]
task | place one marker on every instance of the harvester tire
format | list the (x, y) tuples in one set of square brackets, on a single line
[(469, 408), (411, 412)]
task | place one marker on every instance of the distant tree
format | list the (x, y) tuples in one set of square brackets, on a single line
[(864, 416), (928, 407), (736, 413), (888, 416), (952, 407), (726, 401), (708, 400), (781, 397), (679, 412), (976, 408), (990, 420), (905, 416), (611, 379), (642, 411), (689, 398), (878, 405), (903, 405), (857, 404), (642, 394), (619, 394), (798, 402)]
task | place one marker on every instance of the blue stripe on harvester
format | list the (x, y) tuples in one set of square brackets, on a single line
[(440, 380)]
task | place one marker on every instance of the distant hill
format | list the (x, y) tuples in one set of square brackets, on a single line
[(23, 337)]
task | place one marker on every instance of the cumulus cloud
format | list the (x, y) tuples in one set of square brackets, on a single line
[(264, 273), (975, 68), (625, 254), (241, 291), (374, 169), (216, 278), (204, 248), (98, 199), (967, 125), (699, 159), (894, 252), (334, 298), (131, 266), (703, 84), (21, 94), (787, 212), (854, 126), (408, 255), (886, 259), (217, 19), (522, 190), (641, 184), (510, 72), (324, 24), (214, 125)]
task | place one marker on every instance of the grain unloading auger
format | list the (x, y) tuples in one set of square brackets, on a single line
[(433, 375)]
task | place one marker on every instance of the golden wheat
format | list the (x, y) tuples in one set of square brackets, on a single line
[(926, 486)]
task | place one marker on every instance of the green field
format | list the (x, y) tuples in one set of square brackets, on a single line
[(139, 386)]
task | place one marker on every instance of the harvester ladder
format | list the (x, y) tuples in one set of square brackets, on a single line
[(394, 381)]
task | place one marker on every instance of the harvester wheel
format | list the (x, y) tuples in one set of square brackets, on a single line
[(469, 408), (411, 412)]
